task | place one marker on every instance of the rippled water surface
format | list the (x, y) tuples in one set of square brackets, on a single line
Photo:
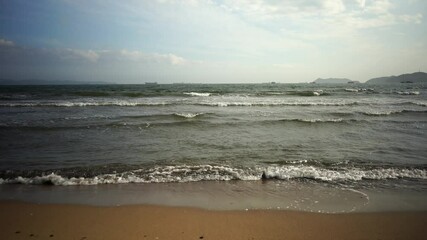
[(352, 135)]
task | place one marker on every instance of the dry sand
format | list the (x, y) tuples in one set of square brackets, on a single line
[(34, 221)]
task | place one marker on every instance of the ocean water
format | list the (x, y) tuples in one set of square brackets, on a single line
[(363, 137)]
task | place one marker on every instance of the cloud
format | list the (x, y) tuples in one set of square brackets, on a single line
[(19, 55), (234, 39), (333, 6), (169, 58), (125, 55), (14, 54), (379, 7), (417, 18), (76, 54), (370, 14), (361, 3), (6, 43), (186, 2)]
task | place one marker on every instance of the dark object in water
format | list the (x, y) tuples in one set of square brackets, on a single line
[(264, 176)]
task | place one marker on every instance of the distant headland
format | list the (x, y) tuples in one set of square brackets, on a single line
[(417, 77)]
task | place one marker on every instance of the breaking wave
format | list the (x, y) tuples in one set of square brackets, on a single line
[(166, 103), (387, 113), (186, 173), (335, 120), (408, 93), (260, 104), (197, 94), (343, 174), (211, 102), (188, 115), (85, 104)]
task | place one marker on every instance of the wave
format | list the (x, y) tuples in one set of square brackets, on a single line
[(86, 104), (319, 121), (197, 94), (408, 93), (273, 104), (261, 104), (307, 93), (137, 104), (392, 112), (187, 173), (188, 115), (312, 121), (341, 174), (210, 103), (167, 121), (335, 120), (422, 104)]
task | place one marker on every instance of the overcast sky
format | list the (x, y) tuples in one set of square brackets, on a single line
[(211, 41)]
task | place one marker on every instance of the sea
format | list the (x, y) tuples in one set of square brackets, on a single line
[(314, 147)]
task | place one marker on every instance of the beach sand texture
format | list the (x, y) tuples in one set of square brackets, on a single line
[(49, 221)]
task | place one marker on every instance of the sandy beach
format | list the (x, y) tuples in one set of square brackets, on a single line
[(49, 221)]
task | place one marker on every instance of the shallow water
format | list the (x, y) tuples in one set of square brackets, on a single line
[(308, 196)]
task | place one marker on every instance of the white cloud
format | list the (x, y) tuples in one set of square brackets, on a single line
[(138, 56), (361, 3), (19, 54), (417, 18), (366, 14), (188, 2), (379, 7), (171, 58), (6, 43), (77, 54), (333, 6)]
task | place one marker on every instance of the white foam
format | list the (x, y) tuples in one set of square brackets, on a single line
[(351, 90), (409, 93), (188, 115), (197, 94), (297, 161), (354, 174), (371, 113), (84, 104), (186, 173), (386, 113), (279, 103), (161, 174), (220, 102), (320, 120)]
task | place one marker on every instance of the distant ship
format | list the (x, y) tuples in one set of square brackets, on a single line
[(150, 83)]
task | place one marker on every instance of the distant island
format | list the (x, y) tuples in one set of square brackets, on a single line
[(417, 77), (334, 81), (46, 82)]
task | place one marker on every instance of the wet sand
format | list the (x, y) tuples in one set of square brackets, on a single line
[(51, 221)]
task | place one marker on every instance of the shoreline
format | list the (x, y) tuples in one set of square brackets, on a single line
[(305, 196), (62, 221)]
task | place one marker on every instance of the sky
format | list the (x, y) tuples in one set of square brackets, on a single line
[(211, 41)]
